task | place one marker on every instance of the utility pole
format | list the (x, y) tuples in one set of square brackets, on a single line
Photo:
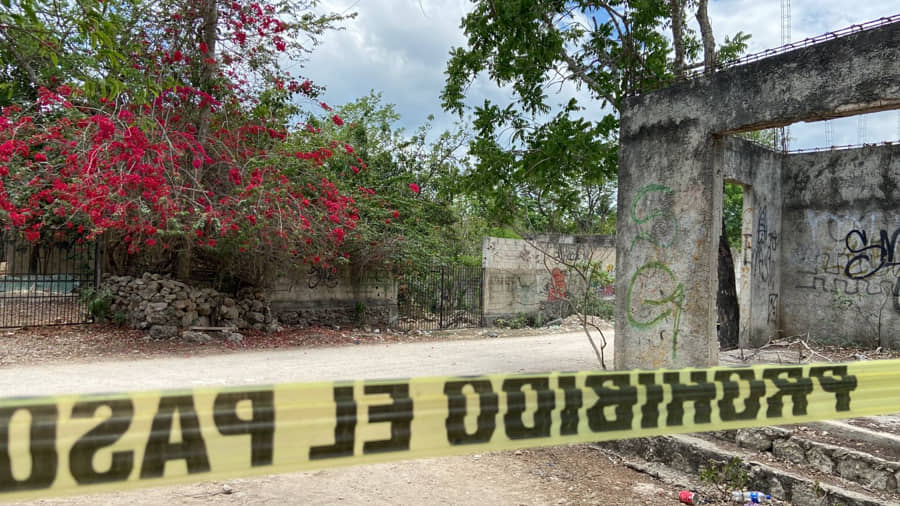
[(782, 135)]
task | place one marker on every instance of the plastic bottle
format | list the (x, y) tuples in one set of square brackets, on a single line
[(751, 497), (688, 497)]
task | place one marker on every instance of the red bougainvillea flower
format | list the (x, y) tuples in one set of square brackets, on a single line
[(414, 187), (337, 120)]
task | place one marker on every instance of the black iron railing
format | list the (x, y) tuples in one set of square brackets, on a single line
[(46, 284), (441, 297)]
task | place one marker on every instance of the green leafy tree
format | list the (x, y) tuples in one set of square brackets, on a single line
[(612, 49), (556, 176), (732, 212), (558, 171), (416, 177)]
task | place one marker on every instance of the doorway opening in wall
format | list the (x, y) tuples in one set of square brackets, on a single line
[(730, 241), (831, 274)]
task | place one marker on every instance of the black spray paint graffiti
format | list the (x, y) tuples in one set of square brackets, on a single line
[(828, 284), (321, 276), (654, 292), (766, 247), (773, 308), (871, 258), (896, 294)]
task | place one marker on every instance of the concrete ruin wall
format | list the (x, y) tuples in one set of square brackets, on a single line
[(672, 169), (517, 280), (841, 260), (759, 170), (835, 276), (323, 300)]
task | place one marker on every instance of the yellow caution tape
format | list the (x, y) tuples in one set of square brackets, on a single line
[(80, 444)]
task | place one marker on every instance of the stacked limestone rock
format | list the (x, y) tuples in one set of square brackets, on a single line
[(167, 308)]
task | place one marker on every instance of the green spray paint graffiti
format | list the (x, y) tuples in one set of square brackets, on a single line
[(654, 292), (662, 232), (649, 279)]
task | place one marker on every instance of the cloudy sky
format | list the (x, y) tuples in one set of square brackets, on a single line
[(400, 48)]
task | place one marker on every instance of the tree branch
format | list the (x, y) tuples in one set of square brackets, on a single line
[(709, 41)]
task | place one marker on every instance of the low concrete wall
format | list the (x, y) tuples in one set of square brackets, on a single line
[(324, 299), (524, 276)]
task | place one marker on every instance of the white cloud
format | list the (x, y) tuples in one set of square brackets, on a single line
[(397, 47), (809, 18), (401, 47)]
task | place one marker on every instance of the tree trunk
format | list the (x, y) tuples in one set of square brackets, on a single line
[(185, 258), (729, 311), (677, 35), (706, 33), (207, 35)]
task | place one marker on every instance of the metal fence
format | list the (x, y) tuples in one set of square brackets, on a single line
[(441, 297), (43, 284)]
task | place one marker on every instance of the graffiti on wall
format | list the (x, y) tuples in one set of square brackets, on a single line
[(765, 249), (865, 274), (871, 255), (773, 308), (896, 295), (819, 281), (557, 288), (655, 294), (658, 225), (317, 276)]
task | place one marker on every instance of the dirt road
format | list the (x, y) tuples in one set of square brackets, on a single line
[(554, 352)]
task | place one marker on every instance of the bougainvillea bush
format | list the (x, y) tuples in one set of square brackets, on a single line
[(198, 151)]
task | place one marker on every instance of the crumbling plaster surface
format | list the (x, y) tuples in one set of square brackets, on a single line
[(760, 296), (532, 276), (841, 261), (671, 175)]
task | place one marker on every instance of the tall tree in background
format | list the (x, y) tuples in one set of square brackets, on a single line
[(612, 49), (432, 224), (551, 167)]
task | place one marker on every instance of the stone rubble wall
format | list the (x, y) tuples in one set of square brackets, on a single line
[(167, 308)]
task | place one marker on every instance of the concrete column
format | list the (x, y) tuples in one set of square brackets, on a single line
[(670, 190)]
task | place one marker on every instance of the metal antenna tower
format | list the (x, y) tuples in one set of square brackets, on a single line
[(829, 134), (861, 127), (785, 21), (782, 135)]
